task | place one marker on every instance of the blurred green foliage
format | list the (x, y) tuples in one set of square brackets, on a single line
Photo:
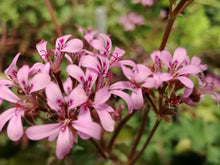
[(191, 138)]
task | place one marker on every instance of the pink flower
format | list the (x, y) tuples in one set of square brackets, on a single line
[(206, 85), (67, 120), (130, 20), (63, 45), (145, 2), (26, 85), (139, 78), (176, 68)]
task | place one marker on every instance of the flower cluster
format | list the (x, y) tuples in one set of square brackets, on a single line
[(168, 82), (130, 20), (73, 107), (77, 105), (145, 2)]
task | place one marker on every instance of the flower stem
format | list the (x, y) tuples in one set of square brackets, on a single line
[(50, 9), (172, 17), (99, 148), (140, 133), (132, 161), (60, 83), (117, 130)]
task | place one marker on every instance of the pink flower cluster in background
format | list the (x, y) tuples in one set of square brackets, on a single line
[(131, 20), (144, 2)]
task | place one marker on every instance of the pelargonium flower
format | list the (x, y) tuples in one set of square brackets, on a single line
[(176, 69), (67, 124), (206, 85), (28, 81), (63, 45), (139, 78), (97, 99)]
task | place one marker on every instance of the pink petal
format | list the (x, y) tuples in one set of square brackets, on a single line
[(137, 98), (188, 101), (84, 114), (39, 81), (68, 85), (142, 73), (166, 76), (189, 69), (22, 77), (186, 81), (91, 77), (88, 128), (54, 95), (15, 128), (69, 59), (53, 136), (90, 62), (90, 35), (117, 55), (179, 56), (6, 82), (127, 72), (187, 92), (98, 44), (106, 119), (75, 72), (155, 55), (5, 116), (73, 46), (65, 142), (35, 68), (77, 97), (125, 97), (196, 60), (62, 40), (129, 63), (107, 41), (7, 94), (120, 85), (38, 132), (158, 80), (11, 71), (149, 83), (46, 68), (101, 96), (166, 58), (42, 49)]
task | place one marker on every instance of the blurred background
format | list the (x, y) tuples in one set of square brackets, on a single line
[(193, 137)]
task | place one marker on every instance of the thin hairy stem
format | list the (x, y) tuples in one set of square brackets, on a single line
[(50, 9), (99, 148), (140, 133), (117, 130), (146, 143)]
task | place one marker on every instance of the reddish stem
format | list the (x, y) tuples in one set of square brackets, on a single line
[(50, 9)]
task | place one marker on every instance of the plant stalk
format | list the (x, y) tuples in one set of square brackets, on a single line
[(140, 133), (172, 17), (50, 9), (131, 162), (117, 130), (99, 148)]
